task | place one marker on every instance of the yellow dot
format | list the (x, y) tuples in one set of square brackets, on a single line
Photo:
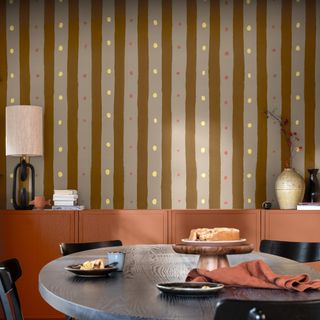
[(297, 122), (298, 25), (60, 48), (155, 45), (108, 42), (297, 74), (249, 175), (249, 200), (298, 97), (298, 48), (108, 144), (298, 1), (11, 1), (107, 201), (11, 75), (297, 149), (203, 150), (249, 75), (155, 22), (249, 100), (154, 201), (11, 175), (60, 25), (109, 19), (249, 28), (203, 25), (249, 151), (60, 122), (109, 92), (154, 148), (107, 172), (203, 175), (202, 123), (60, 74), (109, 71), (155, 95), (154, 173), (248, 1), (155, 71), (249, 125), (60, 174), (11, 28), (155, 120), (11, 50), (203, 201), (203, 98), (249, 51), (203, 72), (204, 47), (108, 115), (12, 100), (60, 149), (60, 97)]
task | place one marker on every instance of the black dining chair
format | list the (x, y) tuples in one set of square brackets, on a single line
[(10, 271), (68, 248), (230, 309), (298, 251)]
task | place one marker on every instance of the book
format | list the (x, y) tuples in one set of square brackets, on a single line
[(65, 202), (65, 192), (65, 197), (308, 206), (79, 207)]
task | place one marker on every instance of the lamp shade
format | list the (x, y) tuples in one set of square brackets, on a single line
[(24, 131)]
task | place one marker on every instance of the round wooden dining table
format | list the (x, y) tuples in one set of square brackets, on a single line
[(132, 293)]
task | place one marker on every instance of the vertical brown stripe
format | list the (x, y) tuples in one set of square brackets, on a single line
[(214, 106), (191, 178), (309, 85), (24, 53), (3, 101), (48, 96), (143, 89), (262, 103), (72, 91), (238, 92), (96, 39), (166, 197), (120, 32), (286, 46)]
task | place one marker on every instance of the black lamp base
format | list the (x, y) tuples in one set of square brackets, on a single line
[(23, 200)]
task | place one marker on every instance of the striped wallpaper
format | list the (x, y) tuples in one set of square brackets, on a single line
[(160, 104)]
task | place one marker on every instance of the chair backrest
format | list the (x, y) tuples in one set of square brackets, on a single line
[(10, 271), (298, 251), (267, 310), (68, 248)]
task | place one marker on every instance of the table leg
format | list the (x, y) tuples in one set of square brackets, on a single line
[(212, 262)]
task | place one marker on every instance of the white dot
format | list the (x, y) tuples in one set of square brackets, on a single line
[(155, 120), (298, 25), (203, 98), (249, 28), (249, 75), (11, 75), (154, 201), (107, 172), (60, 174), (60, 122), (249, 175), (249, 100), (60, 25), (204, 47), (203, 201), (108, 42), (60, 74), (109, 19), (203, 25), (298, 48), (154, 174), (297, 122), (107, 201), (12, 100), (60, 48), (249, 125), (60, 149), (108, 115), (154, 148), (298, 98), (249, 200), (297, 74), (11, 50), (203, 175), (203, 72), (109, 92), (155, 71), (155, 22), (60, 97), (202, 123), (249, 151), (109, 71), (108, 144), (155, 45), (11, 28), (249, 51), (154, 95), (203, 150)]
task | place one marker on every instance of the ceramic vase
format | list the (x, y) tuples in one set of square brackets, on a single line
[(312, 189), (290, 187)]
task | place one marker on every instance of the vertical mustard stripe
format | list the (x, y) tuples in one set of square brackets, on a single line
[(143, 89), (309, 85), (262, 103), (96, 38), (120, 34), (166, 196), (3, 100), (286, 46), (214, 106), (72, 91), (24, 52), (49, 9), (191, 172), (238, 93)]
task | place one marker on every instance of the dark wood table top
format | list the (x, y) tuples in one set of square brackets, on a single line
[(132, 294)]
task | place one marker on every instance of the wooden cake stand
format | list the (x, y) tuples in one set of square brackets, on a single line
[(212, 257)]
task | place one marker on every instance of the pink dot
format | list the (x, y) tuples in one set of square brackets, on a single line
[(178, 73), (84, 120), (178, 174), (226, 29), (226, 77), (225, 202), (84, 75), (178, 46), (130, 147), (83, 174), (130, 173), (225, 101), (178, 95), (178, 150), (179, 23), (226, 53), (131, 72), (130, 43), (37, 75), (36, 26), (273, 26), (273, 151), (37, 98), (273, 175), (84, 22), (85, 45), (225, 127), (84, 98), (225, 152), (274, 98), (179, 200), (130, 118), (131, 20), (274, 75), (84, 148), (36, 50), (225, 177), (178, 120), (274, 50), (130, 95), (131, 201)]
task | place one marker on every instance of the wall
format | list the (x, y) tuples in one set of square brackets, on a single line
[(160, 104)]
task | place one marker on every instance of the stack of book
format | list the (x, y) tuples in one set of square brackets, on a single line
[(308, 206), (66, 200)]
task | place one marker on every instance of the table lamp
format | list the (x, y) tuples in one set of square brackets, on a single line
[(24, 138)]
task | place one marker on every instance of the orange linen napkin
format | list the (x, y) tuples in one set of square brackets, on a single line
[(254, 274)]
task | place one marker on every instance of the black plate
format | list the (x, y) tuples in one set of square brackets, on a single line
[(190, 288), (90, 273)]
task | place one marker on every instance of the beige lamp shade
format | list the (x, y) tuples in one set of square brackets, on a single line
[(24, 131)]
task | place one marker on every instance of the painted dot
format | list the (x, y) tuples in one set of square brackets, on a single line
[(249, 28), (60, 74), (109, 71), (107, 201), (154, 147), (12, 100), (60, 48), (297, 122), (298, 98), (298, 25), (154, 95), (204, 48), (203, 201), (203, 150), (107, 172), (203, 25), (249, 75), (11, 50), (249, 151), (60, 174), (155, 22), (248, 1), (108, 42), (11, 175), (297, 1), (11, 1), (298, 74), (203, 175), (154, 201), (60, 25), (203, 72), (155, 120), (60, 149), (298, 149), (60, 1), (11, 28), (108, 115), (203, 98), (60, 97), (249, 175), (109, 92), (249, 200), (154, 174), (298, 48), (11, 75), (249, 125), (59, 122), (109, 19), (202, 123), (155, 45), (249, 100), (249, 51)]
